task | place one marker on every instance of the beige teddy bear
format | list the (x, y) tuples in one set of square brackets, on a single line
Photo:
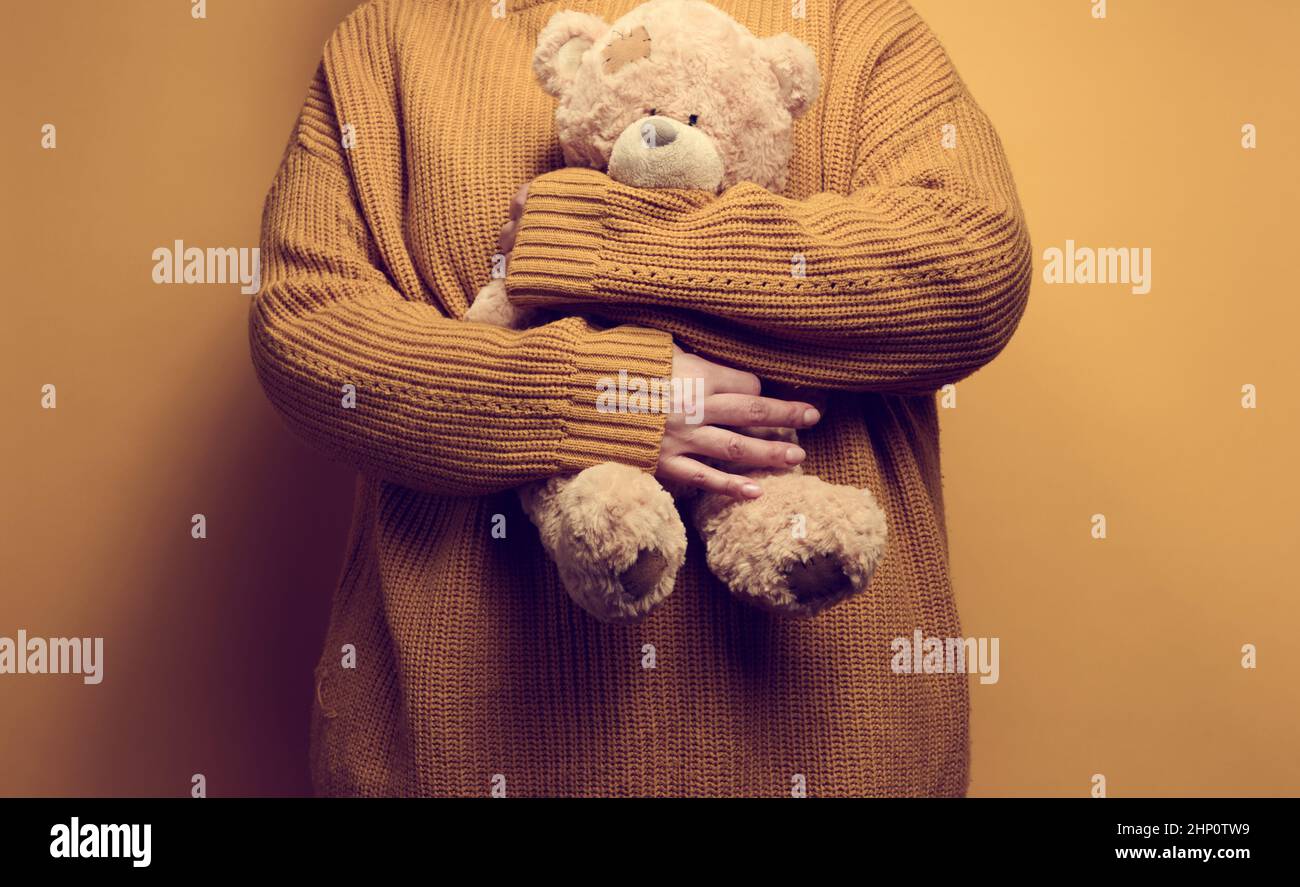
[(678, 94)]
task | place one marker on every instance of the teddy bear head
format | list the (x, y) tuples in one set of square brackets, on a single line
[(676, 93)]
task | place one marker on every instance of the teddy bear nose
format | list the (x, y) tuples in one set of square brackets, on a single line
[(657, 132)]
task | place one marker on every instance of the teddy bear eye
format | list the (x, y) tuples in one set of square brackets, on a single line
[(693, 119), (654, 111)]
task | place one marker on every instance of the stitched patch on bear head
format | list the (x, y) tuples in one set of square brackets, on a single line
[(624, 49)]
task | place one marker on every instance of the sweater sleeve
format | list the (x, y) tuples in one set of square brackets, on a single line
[(914, 274), (391, 385)]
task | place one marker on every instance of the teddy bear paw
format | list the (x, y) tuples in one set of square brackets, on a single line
[(803, 546), (492, 306), (618, 542), (821, 577)]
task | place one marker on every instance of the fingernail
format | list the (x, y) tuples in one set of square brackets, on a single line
[(810, 416), (794, 455), (751, 490)]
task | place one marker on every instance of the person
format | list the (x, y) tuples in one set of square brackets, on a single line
[(454, 663)]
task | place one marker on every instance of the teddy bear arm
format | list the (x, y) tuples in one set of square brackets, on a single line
[(492, 306)]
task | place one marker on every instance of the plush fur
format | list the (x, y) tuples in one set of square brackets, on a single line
[(596, 525), (833, 534), (678, 94)]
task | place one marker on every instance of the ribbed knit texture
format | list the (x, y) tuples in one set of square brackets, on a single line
[(472, 664)]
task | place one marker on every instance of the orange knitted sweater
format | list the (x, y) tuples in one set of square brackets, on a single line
[(473, 673)]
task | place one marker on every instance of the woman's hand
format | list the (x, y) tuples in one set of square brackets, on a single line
[(730, 398)]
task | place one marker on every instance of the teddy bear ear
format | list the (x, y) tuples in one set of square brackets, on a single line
[(560, 47), (796, 71)]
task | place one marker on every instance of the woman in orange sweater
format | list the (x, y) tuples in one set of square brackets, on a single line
[(473, 672)]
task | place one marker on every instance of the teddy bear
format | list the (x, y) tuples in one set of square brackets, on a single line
[(678, 94)]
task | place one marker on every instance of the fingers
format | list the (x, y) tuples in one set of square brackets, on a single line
[(517, 202), (687, 472), (716, 377), (722, 379), (742, 410), (731, 446), (506, 240), (730, 398)]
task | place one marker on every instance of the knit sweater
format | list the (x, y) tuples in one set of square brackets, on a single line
[(473, 672)]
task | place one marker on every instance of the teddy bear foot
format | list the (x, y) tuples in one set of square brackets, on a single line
[(801, 547), (645, 575), (821, 576), (615, 536)]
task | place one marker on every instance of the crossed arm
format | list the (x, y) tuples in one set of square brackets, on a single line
[(915, 274), (912, 276)]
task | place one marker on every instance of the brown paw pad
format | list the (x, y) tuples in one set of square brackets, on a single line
[(644, 575), (816, 578)]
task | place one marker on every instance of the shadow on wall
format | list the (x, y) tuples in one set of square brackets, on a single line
[(209, 645), (221, 650)]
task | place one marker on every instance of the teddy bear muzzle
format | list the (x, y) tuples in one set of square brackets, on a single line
[(660, 152)]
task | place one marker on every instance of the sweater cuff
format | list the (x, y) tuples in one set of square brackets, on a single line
[(557, 245), (599, 423)]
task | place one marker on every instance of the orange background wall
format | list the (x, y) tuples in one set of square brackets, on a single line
[(1119, 656)]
